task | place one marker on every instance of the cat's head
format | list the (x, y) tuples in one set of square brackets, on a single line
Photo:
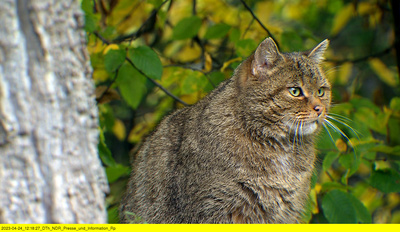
[(284, 93)]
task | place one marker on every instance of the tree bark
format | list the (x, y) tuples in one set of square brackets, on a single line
[(50, 171)]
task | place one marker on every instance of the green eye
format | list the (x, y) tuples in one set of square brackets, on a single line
[(321, 92), (295, 91)]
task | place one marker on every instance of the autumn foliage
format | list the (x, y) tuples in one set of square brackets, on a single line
[(151, 57)]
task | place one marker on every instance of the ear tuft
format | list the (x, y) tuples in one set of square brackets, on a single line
[(317, 54), (266, 54)]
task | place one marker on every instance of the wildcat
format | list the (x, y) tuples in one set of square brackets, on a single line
[(243, 154)]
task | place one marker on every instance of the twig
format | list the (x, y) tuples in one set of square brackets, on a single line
[(329, 175), (157, 84), (109, 86), (364, 58), (145, 27), (247, 28), (104, 40), (259, 22), (133, 65), (194, 4)]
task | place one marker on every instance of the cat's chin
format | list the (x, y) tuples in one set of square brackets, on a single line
[(309, 128), (306, 128)]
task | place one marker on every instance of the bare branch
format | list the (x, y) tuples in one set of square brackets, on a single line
[(361, 59), (259, 22), (104, 40), (108, 87), (157, 84), (133, 65), (147, 26)]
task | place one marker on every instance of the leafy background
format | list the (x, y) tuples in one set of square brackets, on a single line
[(151, 57)]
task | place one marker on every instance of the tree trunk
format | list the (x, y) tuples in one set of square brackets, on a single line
[(50, 171)]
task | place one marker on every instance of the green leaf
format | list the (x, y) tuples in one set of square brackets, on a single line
[(147, 61), (386, 180), (115, 172), (363, 214), (325, 141), (291, 41), (234, 35), (114, 59), (365, 103), (314, 179), (245, 47), (194, 81), (90, 17), (87, 6), (394, 128), (328, 160), (90, 23), (217, 31), (132, 85), (351, 162), (338, 207), (113, 214), (156, 3), (376, 121), (104, 152), (395, 104), (187, 28), (327, 186), (215, 78), (386, 149)]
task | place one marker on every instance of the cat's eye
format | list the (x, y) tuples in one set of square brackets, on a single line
[(321, 92), (295, 91)]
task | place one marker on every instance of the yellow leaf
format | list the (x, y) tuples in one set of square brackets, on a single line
[(139, 131), (100, 74), (365, 8), (119, 129), (95, 47), (190, 52), (227, 63), (342, 18), (383, 72), (345, 72), (314, 202), (108, 96), (218, 11), (368, 197), (341, 145), (393, 200), (191, 98), (295, 11), (330, 71), (110, 47), (208, 62), (370, 10), (264, 10), (318, 187)]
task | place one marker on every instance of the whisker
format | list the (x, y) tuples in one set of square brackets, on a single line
[(295, 134), (341, 117), (329, 133), (301, 137), (345, 124), (338, 130)]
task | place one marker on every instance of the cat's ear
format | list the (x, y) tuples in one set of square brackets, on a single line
[(317, 54), (266, 54)]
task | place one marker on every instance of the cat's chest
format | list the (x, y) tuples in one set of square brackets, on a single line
[(277, 168)]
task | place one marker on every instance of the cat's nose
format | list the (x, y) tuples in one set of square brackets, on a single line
[(319, 109)]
